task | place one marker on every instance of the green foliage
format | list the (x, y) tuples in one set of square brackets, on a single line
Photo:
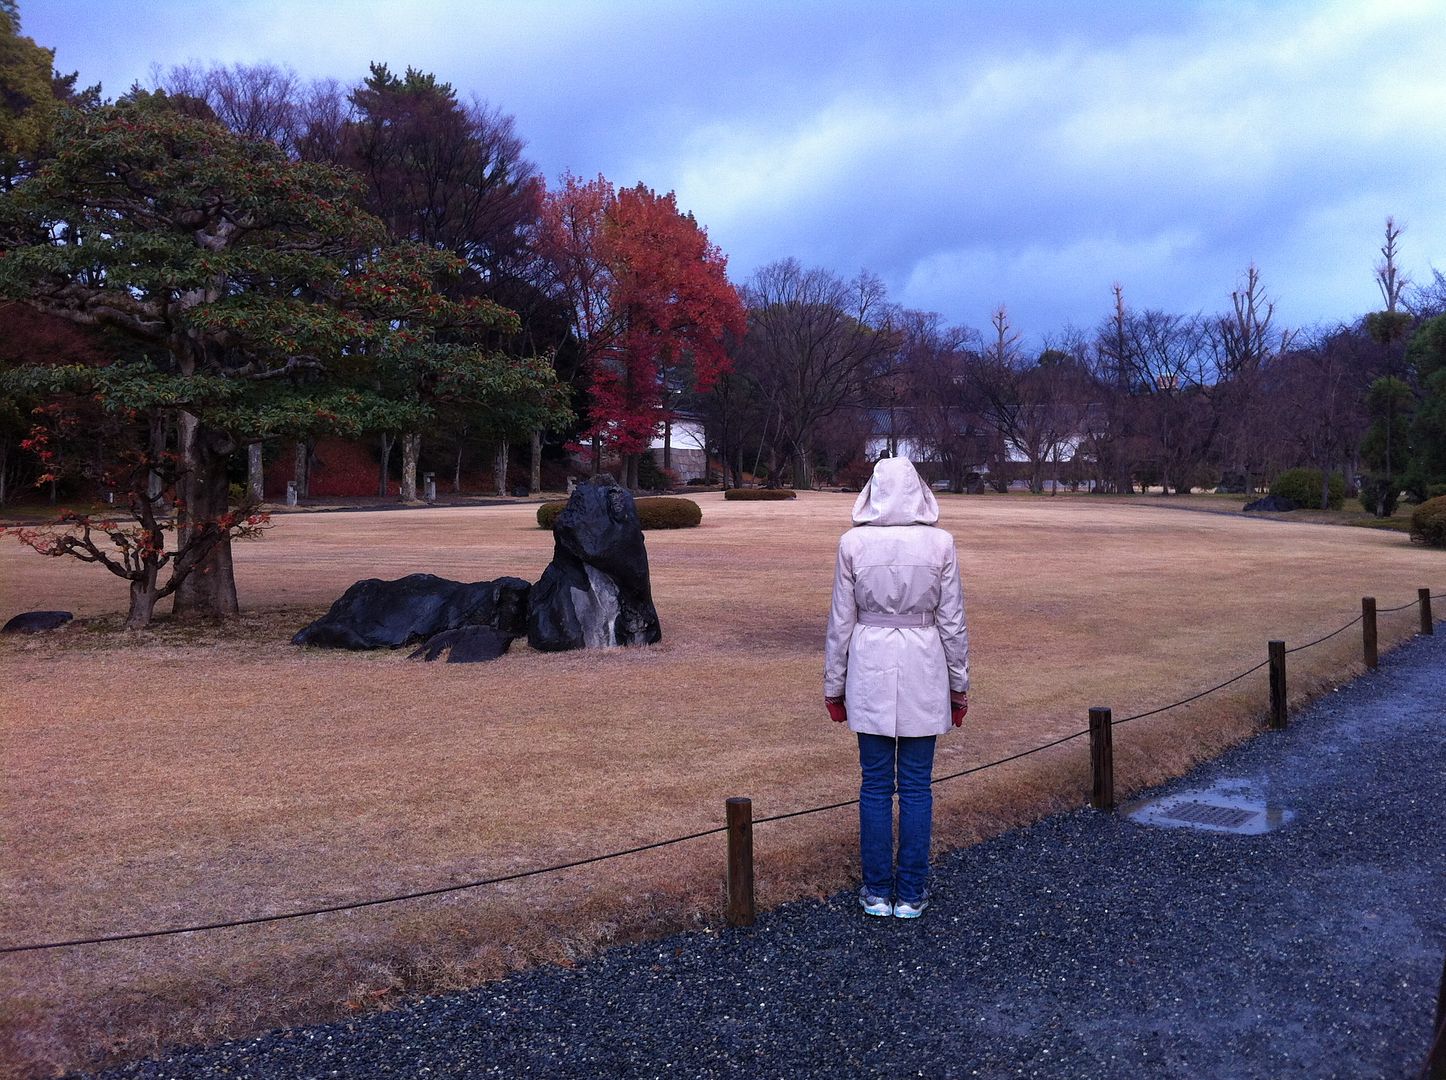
[(28, 106), (1380, 493), (1303, 487), (1427, 357), (654, 512), (759, 494), (1386, 327), (1428, 523)]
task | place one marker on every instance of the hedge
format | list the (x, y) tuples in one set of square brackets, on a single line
[(655, 512), (1302, 487), (1428, 522), (756, 494)]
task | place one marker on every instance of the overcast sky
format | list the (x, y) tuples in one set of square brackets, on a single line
[(970, 153)]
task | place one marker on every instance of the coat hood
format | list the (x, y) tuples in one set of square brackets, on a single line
[(895, 495)]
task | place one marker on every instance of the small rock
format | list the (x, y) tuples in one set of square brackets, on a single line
[(465, 645), (35, 622)]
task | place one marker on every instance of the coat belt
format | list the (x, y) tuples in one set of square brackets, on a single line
[(898, 622)]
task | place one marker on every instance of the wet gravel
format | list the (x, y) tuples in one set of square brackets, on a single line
[(1085, 946)]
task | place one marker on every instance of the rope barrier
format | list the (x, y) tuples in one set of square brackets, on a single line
[(1192, 697), (361, 903), (1332, 634), (479, 883)]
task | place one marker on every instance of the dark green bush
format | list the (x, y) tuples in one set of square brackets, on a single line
[(1428, 522), (1380, 494), (743, 494), (1302, 487), (655, 512)]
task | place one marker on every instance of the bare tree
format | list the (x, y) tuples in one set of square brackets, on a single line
[(1032, 404), (1314, 393), (1110, 429), (1244, 341), (946, 415), (814, 342)]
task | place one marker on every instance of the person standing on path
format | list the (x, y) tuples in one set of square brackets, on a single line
[(896, 669)]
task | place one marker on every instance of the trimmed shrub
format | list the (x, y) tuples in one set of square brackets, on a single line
[(654, 512), (1428, 522), (668, 512), (1302, 487), (759, 494)]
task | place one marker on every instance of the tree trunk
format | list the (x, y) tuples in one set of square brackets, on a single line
[(596, 454), (499, 468), (155, 484), (143, 600), (457, 472), (383, 476), (668, 444), (209, 591), (255, 477), (535, 481), (4, 468), (411, 451), (301, 470), (801, 479)]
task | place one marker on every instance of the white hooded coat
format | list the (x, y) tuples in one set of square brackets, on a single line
[(895, 681)]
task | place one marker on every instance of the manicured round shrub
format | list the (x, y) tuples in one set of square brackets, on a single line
[(668, 512), (1428, 523), (1302, 487), (654, 512), (759, 494)]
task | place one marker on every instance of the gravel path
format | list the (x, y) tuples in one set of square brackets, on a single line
[(1085, 946)]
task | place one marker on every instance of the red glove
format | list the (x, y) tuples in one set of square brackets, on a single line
[(958, 707), (836, 711)]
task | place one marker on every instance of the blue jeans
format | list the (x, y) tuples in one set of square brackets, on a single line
[(908, 765)]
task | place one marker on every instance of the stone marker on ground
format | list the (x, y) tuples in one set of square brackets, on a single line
[(35, 622)]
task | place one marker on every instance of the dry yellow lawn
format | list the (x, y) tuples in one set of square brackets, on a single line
[(182, 776)]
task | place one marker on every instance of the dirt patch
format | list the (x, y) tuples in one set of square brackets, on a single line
[(183, 775)]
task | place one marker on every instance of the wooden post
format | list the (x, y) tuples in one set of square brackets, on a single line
[(1102, 760), (740, 862), (1423, 597), (1368, 632), (1277, 686)]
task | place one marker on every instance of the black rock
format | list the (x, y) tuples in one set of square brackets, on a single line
[(596, 591), (465, 645), (1273, 503), (520, 491), (35, 622), (377, 614)]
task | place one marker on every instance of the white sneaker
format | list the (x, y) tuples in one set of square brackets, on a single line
[(910, 911), (875, 905)]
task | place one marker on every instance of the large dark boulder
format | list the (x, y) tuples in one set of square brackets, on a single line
[(36, 622), (596, 591), (377, 614), (1276, 504)]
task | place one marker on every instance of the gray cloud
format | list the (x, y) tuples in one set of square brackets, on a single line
[(969, 154)]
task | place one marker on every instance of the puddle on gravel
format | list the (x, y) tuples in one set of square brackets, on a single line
[(1228, 806)]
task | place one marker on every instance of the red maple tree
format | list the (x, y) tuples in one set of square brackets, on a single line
[(652, 305)]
